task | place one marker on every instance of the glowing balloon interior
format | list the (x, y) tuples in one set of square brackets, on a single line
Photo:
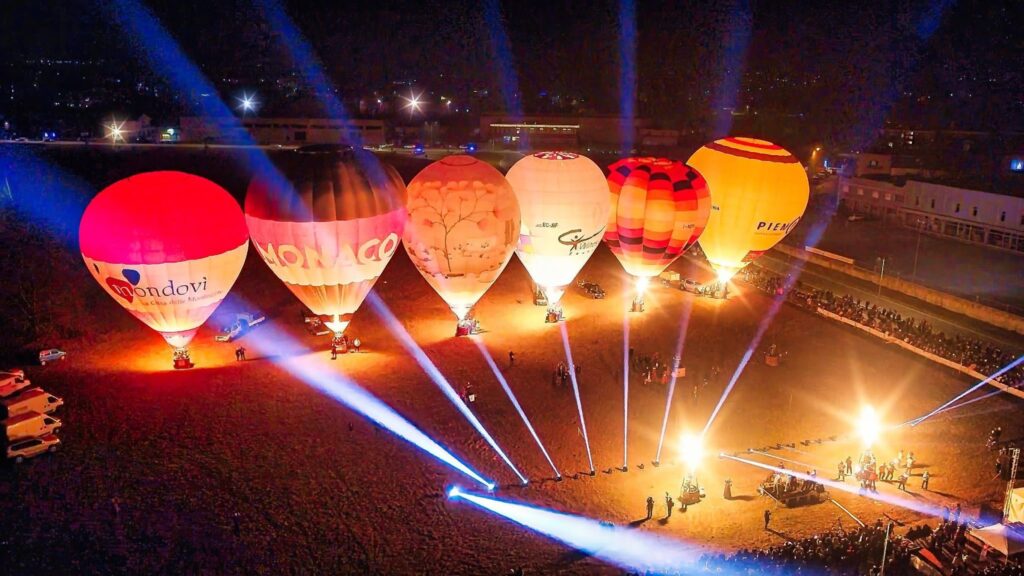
[(759, 192), (564, 202), (462, 228), (659, 208), (327, 223), (167, 247)]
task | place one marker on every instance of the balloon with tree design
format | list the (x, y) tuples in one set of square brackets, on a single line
[(463, 224)]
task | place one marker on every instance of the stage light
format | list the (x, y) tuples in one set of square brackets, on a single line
[(633, 550), (417, 353), (869, 426), (454, 492), (115, 131)]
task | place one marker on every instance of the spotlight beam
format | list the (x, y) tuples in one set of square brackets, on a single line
[(576, 391), (997, 374), (908, 503), (508, 390), (684, 324), (625, 390), (269, 342), (776, 457), (633, 550), (399, 332)]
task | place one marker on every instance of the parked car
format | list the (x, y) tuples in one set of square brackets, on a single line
[(16, 373), (30, 425), (690, 285), (32, 400), (592, 289), (243, 322), (51, 355), (32, 447)]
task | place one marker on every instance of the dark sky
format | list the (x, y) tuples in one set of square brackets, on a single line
[(866, 53)]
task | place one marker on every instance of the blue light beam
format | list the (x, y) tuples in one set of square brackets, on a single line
[(270, 342), (508, 390), (625, 390), (576, 391), (999, 373), (421, 358), (627, 72), (684, 324), (633, 550)]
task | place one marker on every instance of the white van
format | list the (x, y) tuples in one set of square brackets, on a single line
[(30, 425), (32, 400), (10, 385)]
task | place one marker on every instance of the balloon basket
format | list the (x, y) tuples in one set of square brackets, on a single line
[(467, 328), (182, 360), (638, 305), (554, 316)]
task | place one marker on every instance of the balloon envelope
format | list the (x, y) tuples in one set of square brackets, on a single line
[(563, 198), (659, 208), (327, 222), (463, 224), (759, 191), (167, 246)]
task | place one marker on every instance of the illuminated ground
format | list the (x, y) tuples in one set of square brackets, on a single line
[(318, 489)]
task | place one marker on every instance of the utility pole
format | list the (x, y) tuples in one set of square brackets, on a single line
[(917, 248), (1015, 456), (881, 275)]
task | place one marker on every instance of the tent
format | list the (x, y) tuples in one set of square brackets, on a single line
[(1006, 538), (1015, 514)]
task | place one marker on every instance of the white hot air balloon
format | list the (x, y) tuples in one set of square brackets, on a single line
[(564, 202)]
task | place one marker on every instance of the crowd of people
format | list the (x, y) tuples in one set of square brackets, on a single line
[(983, 357)]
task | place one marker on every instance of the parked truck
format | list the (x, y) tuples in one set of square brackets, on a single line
[(32, 400), (30, 425), (13, 382)]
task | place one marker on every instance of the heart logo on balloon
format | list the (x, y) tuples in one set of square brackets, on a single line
[(131, 276), (121, 288)]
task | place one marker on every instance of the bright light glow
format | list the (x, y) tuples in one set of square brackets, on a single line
[(576, 392), (413, 103), (247, 103), (633, 550), (454, 492), (691, 450), (725, 275), (417, 353), (283, 350), (336, 325), (460, 312), (641, 285), (869, 426), (508, 390), (115, 131), (684, 324)]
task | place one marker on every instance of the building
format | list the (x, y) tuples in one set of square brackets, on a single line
[(284, 131), (540, 132), (968, 215)]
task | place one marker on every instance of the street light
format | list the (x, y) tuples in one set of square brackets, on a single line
[(115, 131), (413, 102), (247, 103)]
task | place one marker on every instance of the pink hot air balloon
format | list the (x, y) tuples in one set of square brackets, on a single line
[(166, 246)]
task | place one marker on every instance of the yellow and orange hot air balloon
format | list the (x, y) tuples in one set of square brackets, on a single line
[(759, 192), (462, 229), (327, 222), (659, 208)]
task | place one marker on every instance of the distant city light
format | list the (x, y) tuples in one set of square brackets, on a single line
[(414, 102), (247, 103), (115, 131)]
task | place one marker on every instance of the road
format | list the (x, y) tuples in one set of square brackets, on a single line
[(940, 318)]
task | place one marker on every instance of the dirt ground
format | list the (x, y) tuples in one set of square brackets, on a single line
[(318, 489)]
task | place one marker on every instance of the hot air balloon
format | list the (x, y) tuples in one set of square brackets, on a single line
[(167, 246), (659, 208), (759, 192), (327, 222), (563, 198), (462, 228)]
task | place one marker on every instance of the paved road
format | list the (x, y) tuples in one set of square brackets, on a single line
[(942, 319)]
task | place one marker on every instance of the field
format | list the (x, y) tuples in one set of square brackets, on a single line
[(318, 489)]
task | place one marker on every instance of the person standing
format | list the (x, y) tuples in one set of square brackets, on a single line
[(767, 518), (842, 471), (669, 503), (511, 358), (241, 353), (849, 465), (334, 351), (650, 507), (924, 480), (956, 513)]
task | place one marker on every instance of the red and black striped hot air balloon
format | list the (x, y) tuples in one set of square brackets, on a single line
[(659, 209), (327, 223)]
